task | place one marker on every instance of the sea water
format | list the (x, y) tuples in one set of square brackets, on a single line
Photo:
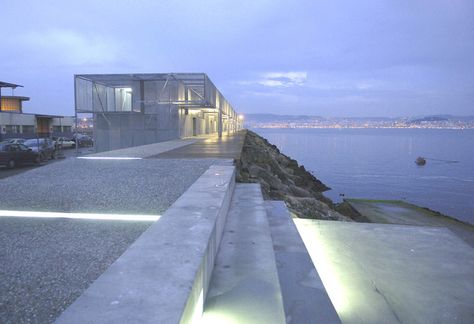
[(380, 164)]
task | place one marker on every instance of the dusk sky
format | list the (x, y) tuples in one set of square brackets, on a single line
[(329, 58)]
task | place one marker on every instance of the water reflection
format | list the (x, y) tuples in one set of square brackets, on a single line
[(379, 164)]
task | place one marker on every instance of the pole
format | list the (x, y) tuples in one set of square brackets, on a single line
[(219, 123), (75, 116)]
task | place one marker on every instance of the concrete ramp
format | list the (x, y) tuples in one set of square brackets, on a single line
[(377, 273)]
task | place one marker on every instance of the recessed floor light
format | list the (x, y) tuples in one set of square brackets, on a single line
[(40, 214), (108, 158)]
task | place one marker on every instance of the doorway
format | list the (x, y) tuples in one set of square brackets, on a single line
[(194, 126)]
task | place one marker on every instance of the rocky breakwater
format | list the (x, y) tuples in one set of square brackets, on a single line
[(281, 178)]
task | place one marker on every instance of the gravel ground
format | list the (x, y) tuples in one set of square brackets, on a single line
[(45, 264), (147, 186)]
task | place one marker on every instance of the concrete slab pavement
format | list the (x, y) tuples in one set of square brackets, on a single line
[(209, 147), (380, 273), (401, 212)]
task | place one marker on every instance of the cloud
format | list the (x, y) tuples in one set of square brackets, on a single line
[(279, 79), (283, 79), (71, 47)]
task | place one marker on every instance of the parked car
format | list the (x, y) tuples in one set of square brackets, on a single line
[(15, 140), (44, 146), (12, 155), (83, 140), (64, 142)]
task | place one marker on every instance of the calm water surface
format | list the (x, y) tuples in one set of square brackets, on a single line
[(379, 164)]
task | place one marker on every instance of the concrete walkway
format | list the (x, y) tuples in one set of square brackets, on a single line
[(144, 151), (212, 147), (403, 213)]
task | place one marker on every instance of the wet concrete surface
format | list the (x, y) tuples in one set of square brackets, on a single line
[(212, 147), (400, 212)]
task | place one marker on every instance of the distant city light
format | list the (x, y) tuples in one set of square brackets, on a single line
[(241, 117)]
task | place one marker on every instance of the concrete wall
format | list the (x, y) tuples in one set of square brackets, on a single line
[(148, 122), (22, 120), (16, 119), (120, 130)]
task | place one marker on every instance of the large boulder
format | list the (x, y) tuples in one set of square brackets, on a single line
[(281, 178)]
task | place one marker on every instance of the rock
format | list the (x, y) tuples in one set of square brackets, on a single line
[(299, 192), (281, 178)]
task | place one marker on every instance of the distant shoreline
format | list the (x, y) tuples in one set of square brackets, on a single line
[(355, 127)]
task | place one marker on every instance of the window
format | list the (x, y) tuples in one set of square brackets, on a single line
[(67, 129), (22, 147), (28, 129), (123, 99), (12, 129), (57, 129)]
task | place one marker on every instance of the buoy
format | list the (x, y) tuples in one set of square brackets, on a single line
[(420, 161)]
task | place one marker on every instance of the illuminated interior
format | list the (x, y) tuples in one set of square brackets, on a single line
[(11, 104)]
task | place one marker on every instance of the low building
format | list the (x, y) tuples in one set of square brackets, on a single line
[(14, 123), (138, 109)]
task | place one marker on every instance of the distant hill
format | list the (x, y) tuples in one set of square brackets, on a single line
[(264, 118), (441, 118), (429, 119), (312, 121)]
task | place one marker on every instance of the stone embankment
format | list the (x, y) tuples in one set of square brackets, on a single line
[(281, 178)]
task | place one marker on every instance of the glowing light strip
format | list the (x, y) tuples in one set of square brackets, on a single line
[(319, 250), (198, 309), (108, 158), (120, 217)]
